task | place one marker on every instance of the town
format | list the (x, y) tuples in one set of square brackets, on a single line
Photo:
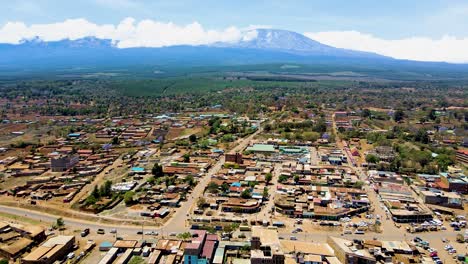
[(298, 182)]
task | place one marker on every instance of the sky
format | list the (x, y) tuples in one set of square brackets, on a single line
[(427, 30)]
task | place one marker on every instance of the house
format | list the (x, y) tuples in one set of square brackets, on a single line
[(64, 162), (462, 156), (56, 248)]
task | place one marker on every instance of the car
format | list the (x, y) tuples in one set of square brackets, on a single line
[(445, 240), (153, 233), (433, 254), (101, 231), (71, 255), (139, 232), (85, 232), (293, 238), (173, 234), (113, 231)]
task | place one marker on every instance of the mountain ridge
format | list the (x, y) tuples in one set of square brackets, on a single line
[(293, 42), (267, 47)]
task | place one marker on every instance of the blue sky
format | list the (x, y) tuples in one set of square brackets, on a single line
[(437, 24), (384, 19)]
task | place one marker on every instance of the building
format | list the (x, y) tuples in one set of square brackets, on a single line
[(241, 205), (448, 199), (201, 250), (454, 184), (54, 249), (15, 239), (348, 252), (462, 156), (234, 158), (265, 247), (262, 148), (63, 162)]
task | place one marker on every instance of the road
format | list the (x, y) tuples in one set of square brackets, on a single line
[(265, 214), (314, 158)]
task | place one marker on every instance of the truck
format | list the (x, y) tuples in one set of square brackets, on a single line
[(278, 224), (244, 228)]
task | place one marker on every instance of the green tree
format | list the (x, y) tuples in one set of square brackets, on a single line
[(310, 136), (398, 115), (283, 178), (151, 180), (212, 187), (371, 158), (265, 192), (246, 194), (157, 170), (268, 177), (105, 190), (186, 157), (193, 138), (59, 223), (230, 228), (296, 178), (366, 113), (190, 180), (91, 200), (252, 184), (128, 198), (443, 161), (358, 184), (225, 187), (422, 136), (201, 202), (185, 235), (136, 260), (95, 193)]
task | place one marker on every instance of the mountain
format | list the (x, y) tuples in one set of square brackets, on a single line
[(292, 42), (261, 47)]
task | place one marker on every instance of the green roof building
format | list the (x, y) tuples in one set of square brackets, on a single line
[(262, 148)]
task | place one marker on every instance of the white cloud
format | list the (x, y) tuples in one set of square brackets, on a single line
[(151, 33), (128, 33), (447, 48)]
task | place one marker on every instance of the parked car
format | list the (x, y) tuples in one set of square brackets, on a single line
[(71, 255), (85, 232), (101, 231)]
